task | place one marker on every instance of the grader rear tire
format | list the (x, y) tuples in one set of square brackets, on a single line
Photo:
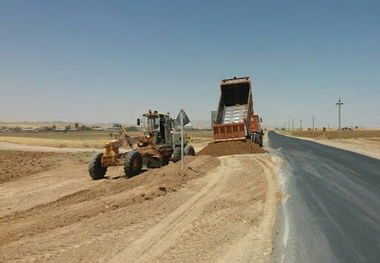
[(95, 167), (189, 150), (133, 164), (176, 156)]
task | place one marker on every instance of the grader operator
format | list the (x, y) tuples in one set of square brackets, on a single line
[(159, 144)]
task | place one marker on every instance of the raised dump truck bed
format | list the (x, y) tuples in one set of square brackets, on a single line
[(234, 114), (234, 110)]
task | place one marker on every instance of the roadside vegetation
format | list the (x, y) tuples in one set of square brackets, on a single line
[(372, 134), (200, 136), (78, 139), (362, 141)]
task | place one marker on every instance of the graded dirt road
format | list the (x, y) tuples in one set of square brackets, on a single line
[(43, 187), (217, 209)]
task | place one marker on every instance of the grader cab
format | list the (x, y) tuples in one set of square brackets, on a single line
[(159, 144)]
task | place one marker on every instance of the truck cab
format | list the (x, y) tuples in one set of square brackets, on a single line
[(256, 131)]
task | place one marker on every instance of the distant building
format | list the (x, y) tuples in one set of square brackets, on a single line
[(29, 129), (43, 128), (112, 129)]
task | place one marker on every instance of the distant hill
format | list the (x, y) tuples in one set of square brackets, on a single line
[(58, 124)]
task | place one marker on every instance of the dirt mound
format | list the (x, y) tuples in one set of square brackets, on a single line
[(16, 164), (230, 148), (112, 194)]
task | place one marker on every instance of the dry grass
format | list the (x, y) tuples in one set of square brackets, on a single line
[(81, 139), (200, 135), (372, 134), (55, 142)]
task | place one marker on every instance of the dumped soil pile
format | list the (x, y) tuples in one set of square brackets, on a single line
[(16, 164), (230, 148), (110, 195)]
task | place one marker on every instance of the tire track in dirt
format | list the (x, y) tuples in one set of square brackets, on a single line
[(206, 209), (46, 255), (258, 242), (191, 228), (84, 221), (220, 220), (160, 237)]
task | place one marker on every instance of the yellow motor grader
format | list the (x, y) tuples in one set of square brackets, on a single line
[(159, 145)]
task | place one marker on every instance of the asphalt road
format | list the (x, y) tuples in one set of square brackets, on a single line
[(332, 213)]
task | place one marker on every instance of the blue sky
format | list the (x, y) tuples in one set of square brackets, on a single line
[(109, 61)]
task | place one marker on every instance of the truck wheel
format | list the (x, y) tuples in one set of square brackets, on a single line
[(189, 150), (176, 156), (133, 164), (95, 167), (261, 141)]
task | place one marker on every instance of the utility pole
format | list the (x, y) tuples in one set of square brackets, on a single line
[(339, 103), (301, 124), (293, 124), (182, 161), (289, 125), (313, 121)]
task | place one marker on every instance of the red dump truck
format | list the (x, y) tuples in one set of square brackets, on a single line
[(234, 118)]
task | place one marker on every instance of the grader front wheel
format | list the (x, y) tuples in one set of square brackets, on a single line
[(95, 167), (176, 156), (133, 164)]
